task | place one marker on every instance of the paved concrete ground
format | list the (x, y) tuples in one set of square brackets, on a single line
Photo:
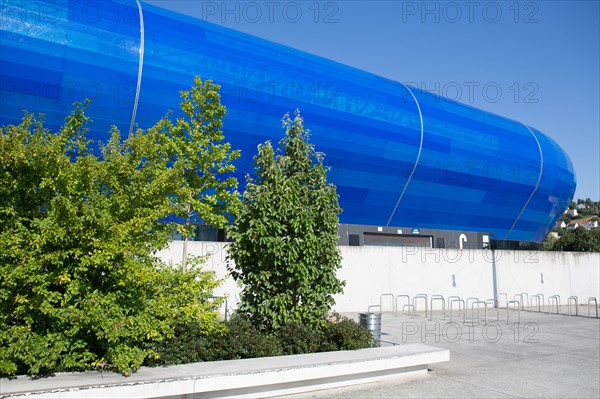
[(545, 356)]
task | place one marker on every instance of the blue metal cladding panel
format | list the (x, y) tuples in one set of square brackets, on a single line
[(554, 192), (399, 156)]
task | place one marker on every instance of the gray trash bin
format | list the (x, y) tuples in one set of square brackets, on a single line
[(372, 322)]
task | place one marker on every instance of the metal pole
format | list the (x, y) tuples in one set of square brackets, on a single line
[(494, 279)]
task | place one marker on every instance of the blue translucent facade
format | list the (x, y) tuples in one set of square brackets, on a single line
[(399, 156)]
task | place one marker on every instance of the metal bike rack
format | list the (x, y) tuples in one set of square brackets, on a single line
[(505, 298), (463, 306), (521, 301), (573, 299), (473, 311), (523, 304), (540, 300), (590, 299), (451, 299), (407, 303), (419, 296), (438, 298), (508, 309), (381, 302), (492, 302), (471, 298), (551, 299), (373, 306)]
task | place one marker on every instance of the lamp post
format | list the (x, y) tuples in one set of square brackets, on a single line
[(494, 279)]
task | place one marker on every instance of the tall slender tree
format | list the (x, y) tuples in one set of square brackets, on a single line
[(207, 194), (285, 252)]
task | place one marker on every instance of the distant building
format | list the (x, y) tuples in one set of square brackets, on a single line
[(572, 226), (561, 225), (590, 224), (571, 212)]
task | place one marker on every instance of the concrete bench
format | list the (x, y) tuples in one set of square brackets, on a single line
[(269, 376)]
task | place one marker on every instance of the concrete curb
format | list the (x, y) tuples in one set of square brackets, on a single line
[(245, 378)]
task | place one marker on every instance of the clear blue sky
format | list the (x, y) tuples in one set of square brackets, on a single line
[(534, 61)]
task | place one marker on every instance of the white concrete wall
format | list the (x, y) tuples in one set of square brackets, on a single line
[(549, 273), (372, 271), (217, 262)]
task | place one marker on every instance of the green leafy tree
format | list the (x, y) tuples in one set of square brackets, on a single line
[(204, 160), (580, 240), (80, 285), (286, 235), (549, 243)]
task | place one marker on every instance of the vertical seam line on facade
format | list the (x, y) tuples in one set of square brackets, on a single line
[(537, 184), (140, 68), (418, 155)]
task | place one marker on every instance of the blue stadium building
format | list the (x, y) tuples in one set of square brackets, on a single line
[(410, 166)]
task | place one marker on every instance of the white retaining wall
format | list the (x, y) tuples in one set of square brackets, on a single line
[(370, 271), (549, 273)]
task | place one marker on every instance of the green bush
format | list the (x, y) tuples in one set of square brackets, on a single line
[(346, 334), (243, 340), (186, 346), (297, 338), (239, 339), (81, 286)]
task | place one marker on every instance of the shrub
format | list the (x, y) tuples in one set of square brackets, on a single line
[(243, 340), (186, 346), (239, 339), (80, 283), (297, 338), (346, 334)]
